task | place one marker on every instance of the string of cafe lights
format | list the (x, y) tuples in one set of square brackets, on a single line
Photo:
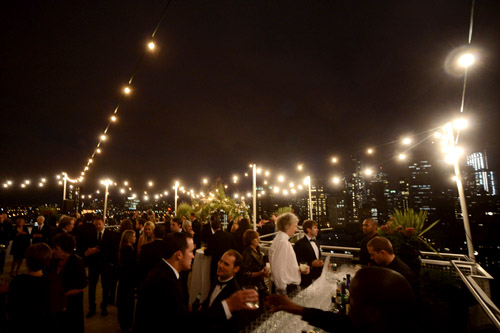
[(126, 90), (282, 184)]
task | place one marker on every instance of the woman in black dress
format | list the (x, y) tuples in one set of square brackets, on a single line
[(127, 263), (243, 225), (253, 267), (71, 270), (35, 294), (19, 246)]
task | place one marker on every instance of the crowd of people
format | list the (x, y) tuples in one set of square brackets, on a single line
[(144, 265)]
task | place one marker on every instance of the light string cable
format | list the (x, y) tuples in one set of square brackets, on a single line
[(126, 90), (471, 25)]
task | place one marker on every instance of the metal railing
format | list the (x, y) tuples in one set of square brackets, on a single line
[(475, 277)]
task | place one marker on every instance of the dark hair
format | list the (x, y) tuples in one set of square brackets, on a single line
[(175, 242), (65, 241), (238, 259), (125, 225), (177, 221), (159, 231), (214, 217), (141, 220), (18, 221), (192, 214), (215, 222), (38, 256), (244, 224), (249, 236), (65, 221), (98, 218), (308, 224), (145, 216), (380, 243)]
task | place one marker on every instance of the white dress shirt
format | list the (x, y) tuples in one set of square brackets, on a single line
[(314, 246), (284, 266)]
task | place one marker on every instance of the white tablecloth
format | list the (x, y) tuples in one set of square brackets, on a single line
[(200, 278)]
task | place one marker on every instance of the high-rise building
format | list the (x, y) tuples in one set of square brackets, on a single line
[(357, 190), (420, 196), (377, 191), (318, 200), (485, 178)]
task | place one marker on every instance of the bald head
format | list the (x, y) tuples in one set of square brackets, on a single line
[(381, 300)]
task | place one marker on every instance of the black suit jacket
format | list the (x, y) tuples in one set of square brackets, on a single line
[(206, 233), (151, 255), (232, 325), (162, 303), (197, 233), (305, 252), (107, 254), (45, 232)]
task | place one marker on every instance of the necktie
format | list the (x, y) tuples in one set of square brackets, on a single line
[(99, 239)]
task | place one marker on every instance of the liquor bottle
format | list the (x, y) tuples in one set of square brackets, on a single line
[(348, 282)]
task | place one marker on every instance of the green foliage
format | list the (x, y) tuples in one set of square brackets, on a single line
[(183, 209), (406, 228), (283, 210), (216, 202)]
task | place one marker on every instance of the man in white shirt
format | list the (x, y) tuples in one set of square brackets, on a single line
[(284, 267)]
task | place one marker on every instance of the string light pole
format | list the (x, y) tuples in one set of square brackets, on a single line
[(175, 199), (254, 193), (307, 182), (106, 183), (453, 154)]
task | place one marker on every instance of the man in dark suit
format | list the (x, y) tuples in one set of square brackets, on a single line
[(308, 250), (196, 225), (220, 242), (40, 233), (224, 286), (162, 298), (370, 228), (206, 230), (152, 253), (100, 255), (267, 226), (382, 253)]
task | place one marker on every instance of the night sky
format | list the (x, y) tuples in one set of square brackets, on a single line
[(234, 82)]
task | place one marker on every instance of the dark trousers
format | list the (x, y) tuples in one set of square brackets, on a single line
[(125, 303), (2, 259), (104, 271)]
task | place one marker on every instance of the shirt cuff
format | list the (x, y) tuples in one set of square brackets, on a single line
[(226, 310)]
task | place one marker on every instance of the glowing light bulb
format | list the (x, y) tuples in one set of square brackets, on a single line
[(285, 192), (336, 180), (150, 184), (281, 179), (460, 123), (292, 184), (43, 180), (334, 160), (437, 135), (127, 90), (276, 190), (151, 46), (236, 196), (9, 182), (267, 173), (205, 181), (368, 172), (122, 190), (113, 118), (466, 60), (402, 156), (103, 137), (265, 182), (369, 151), (300, 167), (406, 141)]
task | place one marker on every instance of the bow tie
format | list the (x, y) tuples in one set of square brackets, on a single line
[(221, 283), (312, 240)]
